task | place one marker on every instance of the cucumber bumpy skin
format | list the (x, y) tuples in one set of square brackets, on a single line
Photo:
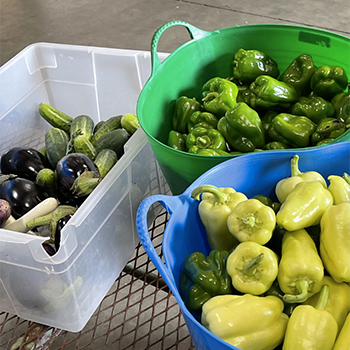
[(55, 117), (110, 124), (82, 125), (113, 140), (105, 160), (83, 145), (56, 142)]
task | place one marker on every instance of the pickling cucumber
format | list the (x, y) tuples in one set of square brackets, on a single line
[(82, 125), (55, 117), (110, 124), (130, 123), (83, 145), (105, 160), (113, 140), (56, 142)]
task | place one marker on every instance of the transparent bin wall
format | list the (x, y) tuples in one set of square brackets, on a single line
[(64, 290)]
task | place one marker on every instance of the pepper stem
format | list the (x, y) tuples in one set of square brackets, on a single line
[(346, 177), (250, 268), (211, 96), (249, 220), (323, 298), (220, 197), (295, 166), (302, 287)]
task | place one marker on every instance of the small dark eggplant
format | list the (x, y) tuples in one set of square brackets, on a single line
[(24, 162), (22, 194), (60, 224), (70, 168)]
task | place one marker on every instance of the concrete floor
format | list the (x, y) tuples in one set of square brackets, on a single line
[(130, 24)]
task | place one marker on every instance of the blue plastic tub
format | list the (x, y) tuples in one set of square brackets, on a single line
[(252, 174)]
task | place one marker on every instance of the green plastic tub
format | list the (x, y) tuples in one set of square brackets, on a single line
[(208, 54)]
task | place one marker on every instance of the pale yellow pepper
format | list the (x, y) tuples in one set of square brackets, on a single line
[(340, 188), (343, 340)]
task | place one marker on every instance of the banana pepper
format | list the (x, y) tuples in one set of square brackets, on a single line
[(204, 277), (246, 321), (339, 186), (215, 206), (338, 304), (343, 340), (335, 241), (285, 186), (252, 220), (300, 271), (311, 327), (252, 267)]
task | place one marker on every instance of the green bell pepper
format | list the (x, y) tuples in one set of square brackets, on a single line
[(244, 94), (219, 95), (206, 138), (207, 151), (266, 121), (297, 130), (273, 145), (327, 128), (249, 64), (242, 128), (315, 108), (341, 104), (329, 81), (177, 140), (299, 74), (270, 93), (204, 119), (184, 107), (204, 277)]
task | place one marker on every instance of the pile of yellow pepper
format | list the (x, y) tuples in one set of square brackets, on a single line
[(311, 272)]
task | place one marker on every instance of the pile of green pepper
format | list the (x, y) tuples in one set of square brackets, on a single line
[(257, 108), (283, 263)]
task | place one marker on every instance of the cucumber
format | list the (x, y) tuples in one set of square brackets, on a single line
[(113, 140), (110, 124), (55, 117), (47, 179), (105, 160), (83, 145), (130, 123), (98, 125), (82, 125), (56, 142)]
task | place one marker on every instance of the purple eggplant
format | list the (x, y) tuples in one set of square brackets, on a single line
[(5, 211)]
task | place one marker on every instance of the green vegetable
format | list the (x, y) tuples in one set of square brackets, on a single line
[(295, 130), (315, 108), (46, 179), (105, 160), (177, 140), (184, 107), (327, 128), (205, 138), (207, 151), (130, 123), (82, 125), (55, 117), (299, 73), (203, 277), (242, 128), (114, 140), (110, 124), (56, 143), (249, 64), (83, 145), (219, 95), (270, 93), (329, 81), (204, 119), (341, 104), (276, 145)]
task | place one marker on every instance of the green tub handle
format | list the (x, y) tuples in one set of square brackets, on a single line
[(195, 33)]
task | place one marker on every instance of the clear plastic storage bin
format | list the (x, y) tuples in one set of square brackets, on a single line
[(64, 290)]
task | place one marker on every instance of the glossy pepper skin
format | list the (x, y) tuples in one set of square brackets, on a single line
[(215, 206), (335, 241), (299, 74), (304, 206), (247, 65), (205, 138), (327, 128), (204, 119), (315, 108), (296, 130), (339, 186), (341, 104), (338, 304), (252, 267), (246, 321), (184, 107), (270, 93), (285, 186), (329, 81), (177, 140), (252, 220), (242, 128), (300, 272), (207, 151), (343, 340), (204, 277), (219, 95), (311, 327)]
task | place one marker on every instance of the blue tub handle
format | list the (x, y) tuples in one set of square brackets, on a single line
[(171, 204), (195, 33)]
